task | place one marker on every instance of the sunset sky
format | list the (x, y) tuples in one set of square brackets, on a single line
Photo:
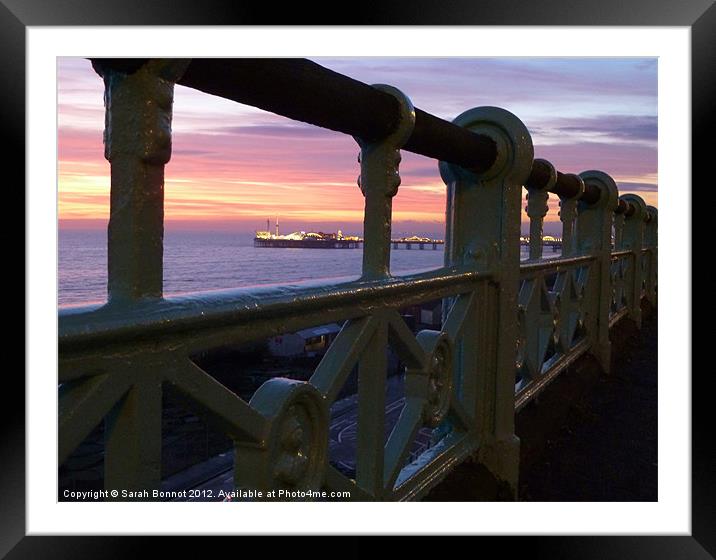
[(234, 166)]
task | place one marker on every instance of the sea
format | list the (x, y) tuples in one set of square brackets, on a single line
[(213, 260)]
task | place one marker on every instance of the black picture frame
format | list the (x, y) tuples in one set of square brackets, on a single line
[(700, 15)]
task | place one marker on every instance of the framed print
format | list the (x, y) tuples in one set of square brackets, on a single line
[(508, 298)]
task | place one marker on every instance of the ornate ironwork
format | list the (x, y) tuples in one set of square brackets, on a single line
[(502, 321)]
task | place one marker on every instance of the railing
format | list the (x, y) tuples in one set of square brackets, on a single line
[(507, 331)]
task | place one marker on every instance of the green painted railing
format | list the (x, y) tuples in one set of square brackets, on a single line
[(508, 328)]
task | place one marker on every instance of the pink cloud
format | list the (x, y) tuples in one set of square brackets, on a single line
[(237, 164)]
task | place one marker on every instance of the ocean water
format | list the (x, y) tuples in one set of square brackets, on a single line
[(200, 260)]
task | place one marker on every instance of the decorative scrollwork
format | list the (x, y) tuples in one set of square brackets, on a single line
[(613, 281), (618, 276), (567, 308), (295, 451), (558, 316), (380, 161), (536, 319), (379, 180), (521, 337), (439, 372)]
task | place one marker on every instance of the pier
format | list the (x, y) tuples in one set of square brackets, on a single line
[(305, 240), (307, 243), (415, 242), (509, 333), (320, 240), (554, 243)]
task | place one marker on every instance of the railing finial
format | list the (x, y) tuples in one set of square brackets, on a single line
[(138, 143), (568, 201), (633, 240), (650, 242), (594, 237), (537, 197), (379, 180)]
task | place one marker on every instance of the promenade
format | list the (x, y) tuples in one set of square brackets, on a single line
[(589, 437), (605, 449)]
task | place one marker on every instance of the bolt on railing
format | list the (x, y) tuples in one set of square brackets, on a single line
[(502, 321)]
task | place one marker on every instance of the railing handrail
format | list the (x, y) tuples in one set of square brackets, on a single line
[(213, 308), (205, 310), (303, 90), (300, 89), (557, 263)]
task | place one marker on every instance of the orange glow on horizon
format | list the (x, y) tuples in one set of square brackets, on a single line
[(237, 164)]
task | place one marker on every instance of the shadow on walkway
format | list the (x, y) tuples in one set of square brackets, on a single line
[(589, 436)]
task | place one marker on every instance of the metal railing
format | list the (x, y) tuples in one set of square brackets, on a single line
[(508, 329)]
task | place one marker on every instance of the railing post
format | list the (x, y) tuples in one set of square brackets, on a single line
[(619, 224), (594, 237), (537, 197), (379, 180), (633, 240), (568, 217), (137, 143), (483, 233), (133, 440), (651, 241)]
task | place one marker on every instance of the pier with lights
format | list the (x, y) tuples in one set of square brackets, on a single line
[(321, 240)]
